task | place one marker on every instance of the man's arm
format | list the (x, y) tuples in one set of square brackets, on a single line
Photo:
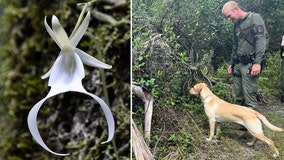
[(282, 48), (235, 45), (260, 33)]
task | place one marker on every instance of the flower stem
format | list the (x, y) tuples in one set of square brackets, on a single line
[(103, 79), (105, 92), (80, 19)]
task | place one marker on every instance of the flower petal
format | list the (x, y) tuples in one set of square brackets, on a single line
[(59, 31), (74, 40), (32, 124), (91, 61), (47, 74), (67, 71), (108, 115), (52, 34), (32, 117)]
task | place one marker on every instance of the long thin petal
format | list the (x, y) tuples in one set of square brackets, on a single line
[(108, 115), (52, 34), (91, 61), (67, 71), (74, 40), (32, 117), (32, 124), (47, 74), (59, 31)]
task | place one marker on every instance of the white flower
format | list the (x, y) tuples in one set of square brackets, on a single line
[(67, 73)]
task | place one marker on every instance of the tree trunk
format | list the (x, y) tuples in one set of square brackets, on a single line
[(140, 148), (148, 100)]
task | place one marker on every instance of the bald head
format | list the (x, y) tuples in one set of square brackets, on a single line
[(229, 6), (233, 12)]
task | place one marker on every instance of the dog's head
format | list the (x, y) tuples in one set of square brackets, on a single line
[(197, 88)]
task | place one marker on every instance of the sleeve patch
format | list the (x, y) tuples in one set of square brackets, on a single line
[(260, 29)]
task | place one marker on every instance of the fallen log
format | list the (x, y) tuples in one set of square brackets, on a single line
[(146, 96), (140, 148)]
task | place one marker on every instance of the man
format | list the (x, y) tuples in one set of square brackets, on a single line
[(282, 77), (249, 45)]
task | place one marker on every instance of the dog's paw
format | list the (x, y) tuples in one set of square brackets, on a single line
[(208, 139), (217, 137), (275, 155), (250, 144)]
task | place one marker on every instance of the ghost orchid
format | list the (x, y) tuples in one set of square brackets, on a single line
[(67, 73)]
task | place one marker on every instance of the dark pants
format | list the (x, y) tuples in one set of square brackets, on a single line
[(282, 81), (246, 86)]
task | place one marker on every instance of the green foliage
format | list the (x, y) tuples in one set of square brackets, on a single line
[(27, 52), (270, 79), (223, 91)]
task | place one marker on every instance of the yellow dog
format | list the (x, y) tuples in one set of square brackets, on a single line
[(218, 110)]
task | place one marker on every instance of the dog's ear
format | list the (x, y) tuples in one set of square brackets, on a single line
[(203, 85), (198, 87)]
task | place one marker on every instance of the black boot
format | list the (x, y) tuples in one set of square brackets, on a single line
[(282, 99)]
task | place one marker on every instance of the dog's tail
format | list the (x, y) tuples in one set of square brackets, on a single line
[(268, 124)]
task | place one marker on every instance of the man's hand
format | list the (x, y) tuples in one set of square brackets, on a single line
[(230, 69), (282, 51), (255, 70)]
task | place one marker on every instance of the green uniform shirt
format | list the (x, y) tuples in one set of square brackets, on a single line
[(250, 36)]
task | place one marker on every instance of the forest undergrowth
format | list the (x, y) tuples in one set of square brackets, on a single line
[(179, 134), (180, 126)]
